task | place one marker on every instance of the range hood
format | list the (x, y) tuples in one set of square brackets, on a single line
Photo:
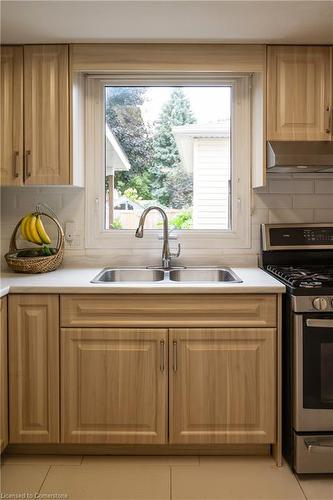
[(300, 156)]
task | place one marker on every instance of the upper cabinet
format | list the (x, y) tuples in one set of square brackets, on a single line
[(299, 93), (36, 80), (11, 116), (46, 114)]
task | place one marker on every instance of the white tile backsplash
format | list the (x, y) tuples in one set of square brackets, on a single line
[(285, 199), (293, 186)]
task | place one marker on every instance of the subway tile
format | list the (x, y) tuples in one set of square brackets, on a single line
[(260, 216), (273, 201), (312, 201), (291, 186), (323, 186), (290, 215), (323, 215)]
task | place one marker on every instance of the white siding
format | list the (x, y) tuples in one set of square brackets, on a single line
[(211, 174)]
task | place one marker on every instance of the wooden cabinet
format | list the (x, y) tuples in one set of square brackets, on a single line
[(114, 385), (11, 116), (168, 311), (299, 93), (117, 385), (34, 368), (222, 386), (35, 79), (46, 114), (3, 375)]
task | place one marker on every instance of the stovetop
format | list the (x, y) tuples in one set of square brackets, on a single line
[(310, 277), (300, 256)]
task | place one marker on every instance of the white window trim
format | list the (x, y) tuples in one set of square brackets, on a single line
[(237, 238)]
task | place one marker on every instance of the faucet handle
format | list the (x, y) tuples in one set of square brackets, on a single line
[(177, 254)]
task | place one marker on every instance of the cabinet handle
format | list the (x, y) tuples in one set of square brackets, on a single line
[(27, 164), (328, 120), (174, 357), (15, 165), (162, 355)]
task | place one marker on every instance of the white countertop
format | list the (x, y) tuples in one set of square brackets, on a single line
[(77, 280)]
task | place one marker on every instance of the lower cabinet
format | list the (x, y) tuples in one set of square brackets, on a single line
[(114, 385), (3, 375), (222, 386), (111, 385), (34, 368)]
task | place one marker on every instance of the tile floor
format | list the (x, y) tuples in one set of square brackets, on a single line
[(156, 478)]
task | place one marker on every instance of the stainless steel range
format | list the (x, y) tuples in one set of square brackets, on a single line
[(301, 256)]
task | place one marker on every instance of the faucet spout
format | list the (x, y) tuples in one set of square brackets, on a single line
[(166, 254), (139, 232)]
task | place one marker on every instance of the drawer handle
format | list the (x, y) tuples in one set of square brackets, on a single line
[(317, 446)]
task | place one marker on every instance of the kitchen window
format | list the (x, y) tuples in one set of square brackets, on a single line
[(179, 142)]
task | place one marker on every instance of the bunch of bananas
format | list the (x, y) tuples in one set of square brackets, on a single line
[(32, 229)]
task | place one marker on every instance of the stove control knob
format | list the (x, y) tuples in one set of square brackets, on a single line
[(319, 303)]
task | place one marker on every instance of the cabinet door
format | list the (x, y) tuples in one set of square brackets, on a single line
[(34, 368), (222, 386), (114, 385), (11, 116), (299, 93), (3, 375), (46, 114)]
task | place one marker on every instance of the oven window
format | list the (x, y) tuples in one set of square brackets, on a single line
[(327, 372), (318, 363)]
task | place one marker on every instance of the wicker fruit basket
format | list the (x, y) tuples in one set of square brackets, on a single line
[(40, 264)]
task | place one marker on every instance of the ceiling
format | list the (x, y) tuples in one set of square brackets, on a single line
[(308, 22)]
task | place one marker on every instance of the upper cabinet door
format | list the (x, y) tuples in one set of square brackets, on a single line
[(298, 93), (11, 119), (46, 114)]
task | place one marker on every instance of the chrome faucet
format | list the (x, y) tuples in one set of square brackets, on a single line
[(166, 254)]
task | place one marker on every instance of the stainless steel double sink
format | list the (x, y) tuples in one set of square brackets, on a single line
[(177, 274)]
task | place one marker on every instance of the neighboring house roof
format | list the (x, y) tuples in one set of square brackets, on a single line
[(185, 134), (127, 201), (116, 158)]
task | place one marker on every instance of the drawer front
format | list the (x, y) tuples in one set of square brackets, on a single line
[(168, 311)]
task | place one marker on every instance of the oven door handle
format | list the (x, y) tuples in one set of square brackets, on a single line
[(320, 323), (317, 446)]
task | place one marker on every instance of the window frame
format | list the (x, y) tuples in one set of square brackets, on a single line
[(239, 236)]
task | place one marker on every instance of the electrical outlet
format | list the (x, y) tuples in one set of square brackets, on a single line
[(70, 230), (74, 242)]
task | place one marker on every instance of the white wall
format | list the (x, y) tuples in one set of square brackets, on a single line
[(211, 174), (285, 199)]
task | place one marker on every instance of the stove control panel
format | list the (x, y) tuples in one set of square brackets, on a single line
[(304, 303), (296, 237), (320, 303)]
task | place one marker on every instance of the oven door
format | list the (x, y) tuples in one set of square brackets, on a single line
[(313, 372)]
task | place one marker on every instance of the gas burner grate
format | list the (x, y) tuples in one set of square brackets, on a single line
[(299, 277)]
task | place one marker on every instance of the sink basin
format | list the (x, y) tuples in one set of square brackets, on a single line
[(184, 275), (207, 275), (128, 275)]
